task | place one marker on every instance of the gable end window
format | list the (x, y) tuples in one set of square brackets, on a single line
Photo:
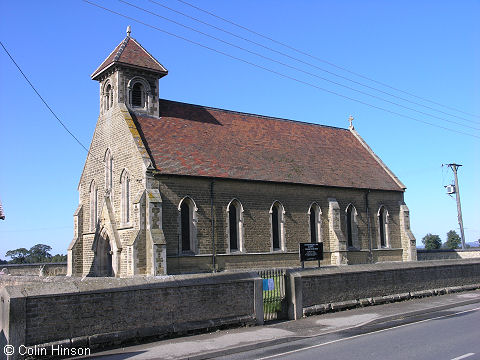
[(125, 184), (93, 205), (108, 171)]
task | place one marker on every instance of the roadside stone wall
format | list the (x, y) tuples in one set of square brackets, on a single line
[(316, 291), (442, 254), (43, 269), (99, 311)]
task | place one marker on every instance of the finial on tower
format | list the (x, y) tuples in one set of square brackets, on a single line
[(350, 118), (129, 30)]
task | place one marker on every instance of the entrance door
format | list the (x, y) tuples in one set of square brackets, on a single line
[(104, 257)]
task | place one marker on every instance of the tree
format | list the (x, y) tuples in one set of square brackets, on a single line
[(19, 256), (432, 242), (453, 240), (39, 253), (58, 258)]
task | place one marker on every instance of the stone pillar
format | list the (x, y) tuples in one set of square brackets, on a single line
[(137, 259), (156, 245), (75, 249), (409, 244), (338, 243)]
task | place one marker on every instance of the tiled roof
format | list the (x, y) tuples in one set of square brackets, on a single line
[(200, 141), (130, 52)]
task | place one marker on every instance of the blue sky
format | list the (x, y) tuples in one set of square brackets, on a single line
[(427, 48)]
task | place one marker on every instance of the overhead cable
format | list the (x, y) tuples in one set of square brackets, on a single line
[(307, 63), (327, 62), (296, 68), (50, 109), (273, 71)]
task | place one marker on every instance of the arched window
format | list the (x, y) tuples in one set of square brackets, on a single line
[(351, 226), (108, 97), (108, 171), (315, 223), (235, 225), (138, 95), (278, 230), (125, 182), (188, 225), (93, 205), (383, 218)]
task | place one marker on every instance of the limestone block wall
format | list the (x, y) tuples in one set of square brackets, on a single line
[(442, 254), (93, 312), (115, 131), (313, 291), (256, 199), (40, 269)]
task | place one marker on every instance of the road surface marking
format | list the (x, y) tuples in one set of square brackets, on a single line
[(370, 333), (463, 356)]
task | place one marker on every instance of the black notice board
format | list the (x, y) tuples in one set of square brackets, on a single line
[(311, 251)]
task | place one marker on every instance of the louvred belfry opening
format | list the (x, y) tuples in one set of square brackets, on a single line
[(137, 82)]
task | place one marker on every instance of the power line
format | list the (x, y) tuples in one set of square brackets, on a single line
[(294, 67), (276, 72), (307, 63), (50, 109), (325, 61), (41, 98), (37, 229)]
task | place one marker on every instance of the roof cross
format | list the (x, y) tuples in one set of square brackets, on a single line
[(350, 119)]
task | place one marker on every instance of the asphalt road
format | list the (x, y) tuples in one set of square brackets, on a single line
[(453, 335)]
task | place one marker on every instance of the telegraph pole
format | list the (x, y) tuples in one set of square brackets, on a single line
[(454, 168)]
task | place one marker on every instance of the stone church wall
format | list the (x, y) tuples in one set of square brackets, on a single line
[(113, 132), (256, 199)]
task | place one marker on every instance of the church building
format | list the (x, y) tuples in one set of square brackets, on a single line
[(169, 187)]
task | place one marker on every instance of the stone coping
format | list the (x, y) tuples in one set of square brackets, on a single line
[(384, 266), (33, 264), (447, 250), (49, 286)]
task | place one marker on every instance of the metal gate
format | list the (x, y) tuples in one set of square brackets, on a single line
[(274, 303)]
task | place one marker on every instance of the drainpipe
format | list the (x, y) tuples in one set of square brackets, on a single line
[(213, 227), (370, 244)]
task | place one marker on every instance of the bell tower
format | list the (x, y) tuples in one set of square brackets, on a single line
[(130, 75)]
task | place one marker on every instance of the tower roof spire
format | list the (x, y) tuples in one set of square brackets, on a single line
[(130, 53)]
